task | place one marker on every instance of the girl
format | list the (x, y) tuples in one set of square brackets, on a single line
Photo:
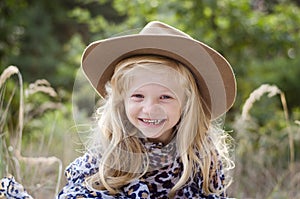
[(154, 136)]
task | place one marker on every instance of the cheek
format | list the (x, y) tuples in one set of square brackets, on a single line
[(174, 113), (177, 115), (130, 109)]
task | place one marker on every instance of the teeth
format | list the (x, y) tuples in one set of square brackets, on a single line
[(153, 121)]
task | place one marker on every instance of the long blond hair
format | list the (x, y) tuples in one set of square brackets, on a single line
[(123, 157)]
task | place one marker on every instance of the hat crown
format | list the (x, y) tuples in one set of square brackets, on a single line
[(212, 72), (159, 28)]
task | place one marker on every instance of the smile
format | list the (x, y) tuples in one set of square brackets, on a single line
[(152, 121)]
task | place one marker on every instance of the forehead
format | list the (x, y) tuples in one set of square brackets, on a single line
[(148, 72), (156, 87)]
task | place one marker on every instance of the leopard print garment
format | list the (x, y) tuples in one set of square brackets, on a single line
[(10, 189), (165, 171)]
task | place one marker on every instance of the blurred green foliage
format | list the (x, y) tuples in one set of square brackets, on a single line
[(260, 38)]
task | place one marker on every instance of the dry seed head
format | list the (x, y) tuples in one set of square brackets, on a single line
[(41, 85), (42, 82), (9, 71), (271, 90)]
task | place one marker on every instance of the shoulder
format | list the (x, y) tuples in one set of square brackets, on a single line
[(82, 167), (9, 188), (76, 173)]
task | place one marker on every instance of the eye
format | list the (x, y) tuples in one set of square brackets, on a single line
[(166, 97), (137, 97)]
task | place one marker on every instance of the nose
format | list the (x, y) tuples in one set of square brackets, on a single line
[(149, 105), (153, 109)]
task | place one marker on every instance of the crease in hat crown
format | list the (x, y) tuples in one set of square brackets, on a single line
[(212, 72), (159, 28)]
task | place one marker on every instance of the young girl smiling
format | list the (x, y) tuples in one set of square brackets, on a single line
[(154, 136)]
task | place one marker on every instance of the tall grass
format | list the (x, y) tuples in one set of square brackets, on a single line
[(25, 169), (271, 91), (267, 165), (265, 152)]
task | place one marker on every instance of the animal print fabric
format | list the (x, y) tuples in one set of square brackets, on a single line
[(165, 171)]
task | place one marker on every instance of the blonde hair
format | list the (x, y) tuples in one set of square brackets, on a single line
[(123, 157)]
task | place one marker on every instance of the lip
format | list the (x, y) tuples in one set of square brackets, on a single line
[(153, 123)]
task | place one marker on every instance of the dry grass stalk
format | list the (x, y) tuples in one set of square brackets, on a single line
[(41, 85), (38, 86), (271, 90), (290, 133), (44, 161), (42, 82), (47, 106), (7, 73), (4, 111), (256, 95)]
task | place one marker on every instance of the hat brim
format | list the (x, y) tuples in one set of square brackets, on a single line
[(213, 74)]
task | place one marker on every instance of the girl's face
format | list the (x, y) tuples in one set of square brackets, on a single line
[(154, 109)]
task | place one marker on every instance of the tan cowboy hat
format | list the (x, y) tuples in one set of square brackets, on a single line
[(213, 74)]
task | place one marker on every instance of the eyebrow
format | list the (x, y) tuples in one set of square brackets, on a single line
[(163, 90)]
